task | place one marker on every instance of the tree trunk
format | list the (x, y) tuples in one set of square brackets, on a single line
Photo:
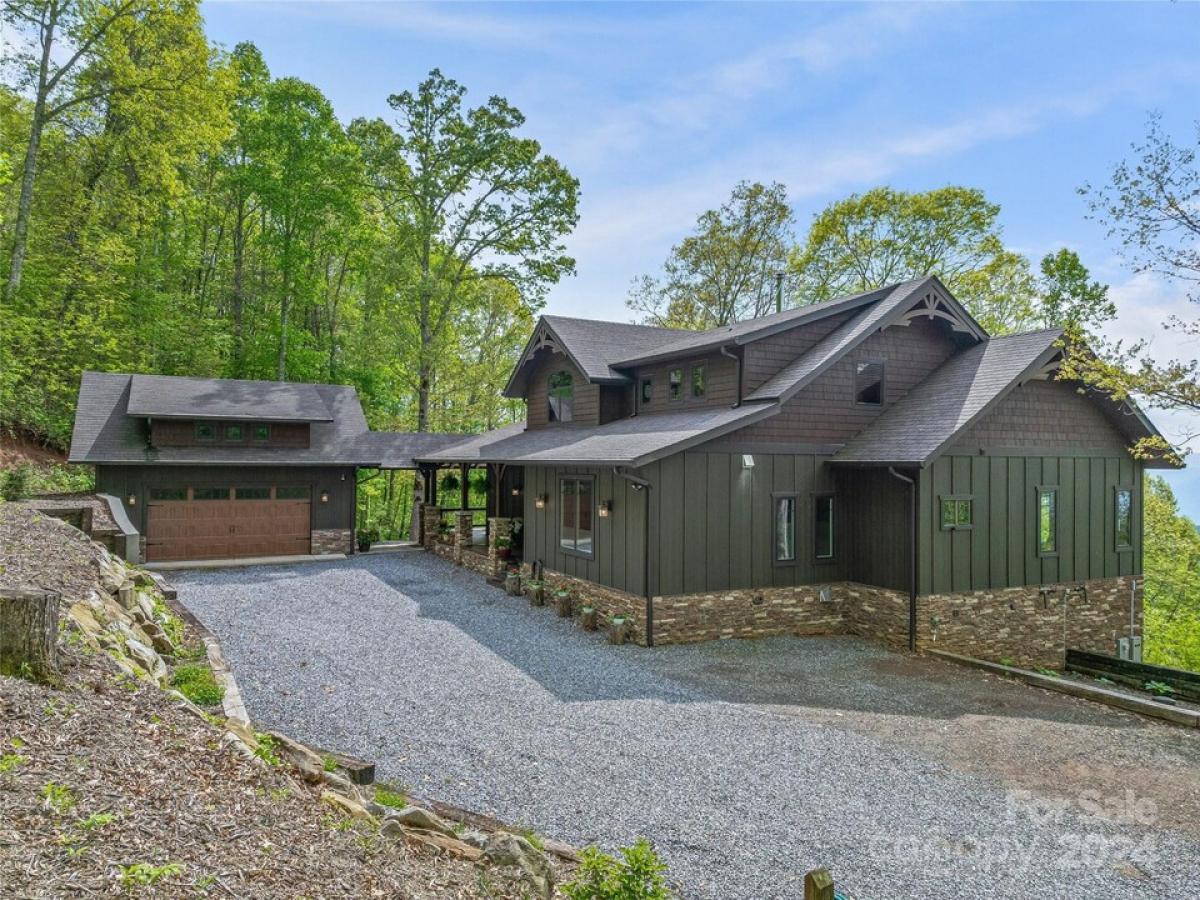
[(239, 300), (25, 203), (29, 633)]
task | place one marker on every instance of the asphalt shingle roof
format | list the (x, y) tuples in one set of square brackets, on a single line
[(595, 345), (949, 400), (168, 396), (632, 441), (794, 376)]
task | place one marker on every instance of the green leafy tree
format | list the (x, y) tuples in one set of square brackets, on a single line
[(883, 236), (1069, 297), (1172, 594), (472, 200), (728, 269), (1151, 207)]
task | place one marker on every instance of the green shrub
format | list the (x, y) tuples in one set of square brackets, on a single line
[(1159, 688), (144, 873), (198, 684), (390, 795), (17, 483), (637, 875)]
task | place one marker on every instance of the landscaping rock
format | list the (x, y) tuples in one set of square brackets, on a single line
[(346, 804), (505, 849), (474, 837), (158, 638), (416, 817), (143, 607), (150, 661), (309, 763)]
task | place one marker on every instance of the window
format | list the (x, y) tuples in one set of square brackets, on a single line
[(647, 390), (868, 382), (1047, 511), (785, 528), (210, 493), (262, 432), (168, 493), (206, 431), (956, 512), (676, 383), (561, 397), (252, 493), (234, 432), (1123, 509), (577, 524), (823, 526), (291, 492), (698, 381)]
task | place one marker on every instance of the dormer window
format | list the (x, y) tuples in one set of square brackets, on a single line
[(262, 432), (675, 380), (233, 432), (561, 397), (206, 431), (868, 382), (647, 390)]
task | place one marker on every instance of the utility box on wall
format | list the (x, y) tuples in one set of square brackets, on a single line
[(1130, 648)]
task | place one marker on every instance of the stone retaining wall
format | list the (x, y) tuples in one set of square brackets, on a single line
[(1030, 626), (332, 540), (749, 613), (608, 602)]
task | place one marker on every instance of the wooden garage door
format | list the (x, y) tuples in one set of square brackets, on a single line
[(227, 522)]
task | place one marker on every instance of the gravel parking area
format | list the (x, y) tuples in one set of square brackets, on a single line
[(747, 763)]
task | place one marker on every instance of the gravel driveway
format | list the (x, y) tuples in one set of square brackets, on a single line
[(747, 763)]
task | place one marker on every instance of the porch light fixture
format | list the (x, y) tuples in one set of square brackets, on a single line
[(516, 492), (324, 496), (747, 461), (131, 500), (540, 501), (605, 509)]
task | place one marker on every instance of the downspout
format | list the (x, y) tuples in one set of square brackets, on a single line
[(737, 361), (912, 556), (641, 484)]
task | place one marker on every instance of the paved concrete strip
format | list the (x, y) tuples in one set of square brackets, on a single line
[(238, 563), (1118, 699)]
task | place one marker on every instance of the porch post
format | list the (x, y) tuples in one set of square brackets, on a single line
[(462, 534), (431, 519)]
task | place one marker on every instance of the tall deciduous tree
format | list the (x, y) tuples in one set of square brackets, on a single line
[(474, 200), (1068, 297), (727, 269)]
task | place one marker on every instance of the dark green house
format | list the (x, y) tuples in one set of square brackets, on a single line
[(875, 464)]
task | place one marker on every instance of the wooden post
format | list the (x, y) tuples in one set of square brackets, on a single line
[(818, 885), (29, 633)]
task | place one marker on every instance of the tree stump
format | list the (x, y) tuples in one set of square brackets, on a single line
[(587, 618), (512, 584), (618, 630), (29, 633), (818, 885), (537, 593), (562, 602)]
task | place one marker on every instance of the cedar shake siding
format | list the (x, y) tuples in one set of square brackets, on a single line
[(764, 358), (182, 433), (586, 399), (720, 376), (1047, 415)]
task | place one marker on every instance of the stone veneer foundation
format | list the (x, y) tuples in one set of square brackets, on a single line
[(1027, 626), (332, 540)]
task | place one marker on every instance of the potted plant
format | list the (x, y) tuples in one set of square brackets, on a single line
[(562, 602), (587, 618), (367, 537), (503, 547), (449, 483), (537, 592), (618, 630), (512, 583)]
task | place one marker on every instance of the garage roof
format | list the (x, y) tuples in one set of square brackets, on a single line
[(172, 397)]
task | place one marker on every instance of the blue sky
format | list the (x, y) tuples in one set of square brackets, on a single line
[(659, 109)]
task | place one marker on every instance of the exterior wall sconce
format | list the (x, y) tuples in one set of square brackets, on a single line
[(324, 496), (131, 500), (747, 461), (516, 492), (540, 501), (605, 509)]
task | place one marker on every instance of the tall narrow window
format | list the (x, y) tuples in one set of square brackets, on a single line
[(561, 397), (577, 525), (868, 382), (785, 528), (1047, 511), (647, 391), (1123, 510), (698, 381), (676, 380), (823, 526)]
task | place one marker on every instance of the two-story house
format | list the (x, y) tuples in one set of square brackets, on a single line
[(875, 464)]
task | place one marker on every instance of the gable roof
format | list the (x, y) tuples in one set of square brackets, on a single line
[(633, 441), (173, 397), (922, 424), (590, 344)]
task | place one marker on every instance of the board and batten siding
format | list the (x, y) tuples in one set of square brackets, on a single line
[(712, 521), (619, 560), (1000, 549)]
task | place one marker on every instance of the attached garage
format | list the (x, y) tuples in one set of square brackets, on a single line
[(218, 522)]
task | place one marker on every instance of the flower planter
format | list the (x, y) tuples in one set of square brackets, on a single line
[(587, 618), (537, 593), (618, 630), (562, 603), (512, 584)]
